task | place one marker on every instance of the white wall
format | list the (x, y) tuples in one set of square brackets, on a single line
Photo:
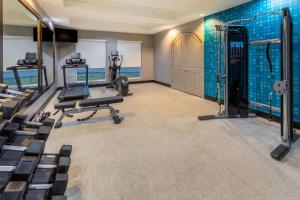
[(15, 47), (64, 51), (18, 40), (162, 48)]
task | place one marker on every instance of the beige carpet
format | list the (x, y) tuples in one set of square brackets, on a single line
[(161, 152)]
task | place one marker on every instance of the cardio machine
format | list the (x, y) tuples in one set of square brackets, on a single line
[(118, 82), (76, 90), (30, 62)]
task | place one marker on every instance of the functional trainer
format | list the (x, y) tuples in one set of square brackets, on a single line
[(235, 77), (283, 87), (75, 90), (118, 82), (88, 105)]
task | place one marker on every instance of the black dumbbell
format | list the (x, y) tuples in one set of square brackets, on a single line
[(21, 170), (23, 120), (58, 187), (27, 147), (61, 161), (12, 130), (53, 191), (51, 164)]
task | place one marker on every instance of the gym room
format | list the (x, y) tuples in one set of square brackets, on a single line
[(150, 100)]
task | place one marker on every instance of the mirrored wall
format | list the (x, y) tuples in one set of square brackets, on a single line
[(21, 52)]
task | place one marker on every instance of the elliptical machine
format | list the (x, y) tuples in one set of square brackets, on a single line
[(116, 81)]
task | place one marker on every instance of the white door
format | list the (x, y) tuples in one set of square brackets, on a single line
[(187, 64)]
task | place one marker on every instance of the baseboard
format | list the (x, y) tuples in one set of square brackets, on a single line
[(131, 83), (140, 82), (260, 114), (210, 98), (161, 83)]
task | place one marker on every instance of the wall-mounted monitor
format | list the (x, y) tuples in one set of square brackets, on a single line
[(66, 35), (47, 35), (61, 35)]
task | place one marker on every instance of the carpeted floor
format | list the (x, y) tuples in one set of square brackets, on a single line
[(161, 152)]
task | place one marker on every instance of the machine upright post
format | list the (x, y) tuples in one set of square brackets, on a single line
[(287, 132), (219, 76), (226, 60)]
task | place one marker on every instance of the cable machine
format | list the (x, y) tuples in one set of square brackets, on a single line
[(283, 87)]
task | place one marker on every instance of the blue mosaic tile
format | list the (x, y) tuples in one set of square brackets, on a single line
[(266, 27)]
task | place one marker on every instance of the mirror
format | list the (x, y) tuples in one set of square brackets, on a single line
[(20, 55), (48, 58)]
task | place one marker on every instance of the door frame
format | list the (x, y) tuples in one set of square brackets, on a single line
[(201, 42)]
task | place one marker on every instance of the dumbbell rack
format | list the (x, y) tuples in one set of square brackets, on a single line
[(26, 172)]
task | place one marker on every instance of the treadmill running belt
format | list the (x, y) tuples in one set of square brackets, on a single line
[(73, 93)]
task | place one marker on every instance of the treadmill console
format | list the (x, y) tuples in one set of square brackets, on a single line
[(30, 60), (76, 60)]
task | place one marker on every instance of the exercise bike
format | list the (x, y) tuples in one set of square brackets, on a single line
[(118, 82)]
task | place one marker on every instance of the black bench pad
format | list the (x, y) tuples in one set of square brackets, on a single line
[(100, 101), (63, 105)]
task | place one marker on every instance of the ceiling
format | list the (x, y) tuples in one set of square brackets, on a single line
[(132, 16), (14, 13)]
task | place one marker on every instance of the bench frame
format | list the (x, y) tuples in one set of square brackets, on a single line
[(69, 113)]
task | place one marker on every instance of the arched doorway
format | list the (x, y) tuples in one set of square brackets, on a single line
[(188, 64)]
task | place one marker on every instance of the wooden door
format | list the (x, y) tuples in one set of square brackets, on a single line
[(187, 64)]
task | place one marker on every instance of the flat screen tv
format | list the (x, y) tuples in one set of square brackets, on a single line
[(47, 35), (61, 35), (66, 35)]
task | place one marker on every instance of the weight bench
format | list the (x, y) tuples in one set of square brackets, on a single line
[(69, 108)]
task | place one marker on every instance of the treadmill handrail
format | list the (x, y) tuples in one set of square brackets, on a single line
[(23, 67), (64, 67), (74, 66)]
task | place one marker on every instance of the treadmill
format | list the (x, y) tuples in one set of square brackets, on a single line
[(74, 91), (29, 63)]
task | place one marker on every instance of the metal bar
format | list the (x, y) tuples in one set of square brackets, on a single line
[(254, 18), (270, 41), (226, 72), (40, 166), (40, 186), (7, 168), (17, 78), (14, 148), (286, 76), (219, 76), (46, 77), (7, 96), (26, 133), (261, 105)]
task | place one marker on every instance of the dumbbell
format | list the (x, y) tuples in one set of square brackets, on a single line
[(51, 164), (21, 172), (23, 120), (28, 147), (15, 190), (28, 93), (61, 161), (12, 130)]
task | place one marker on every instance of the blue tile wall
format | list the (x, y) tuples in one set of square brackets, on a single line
[(267, 27)]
